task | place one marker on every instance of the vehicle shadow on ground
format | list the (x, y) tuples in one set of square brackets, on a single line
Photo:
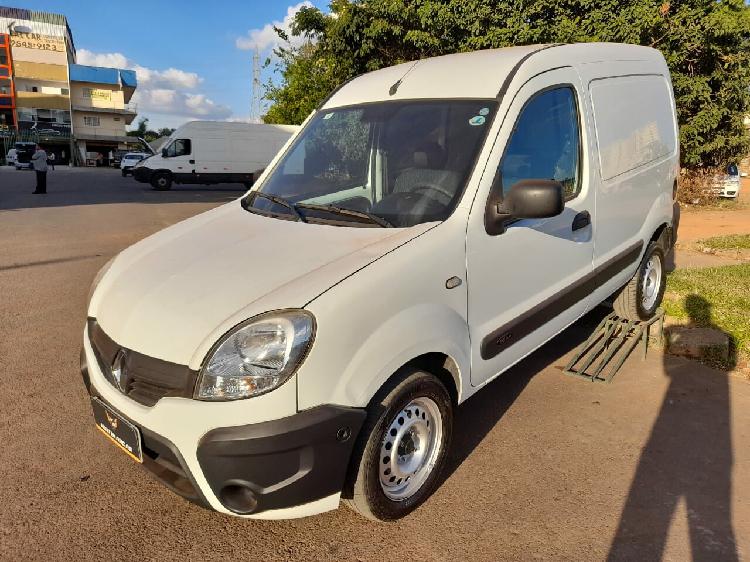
[(87, 187), (688, 458), (476, 417)]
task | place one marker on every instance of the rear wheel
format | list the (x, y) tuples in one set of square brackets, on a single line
[(640, 298), (161, 181), (402, 448)]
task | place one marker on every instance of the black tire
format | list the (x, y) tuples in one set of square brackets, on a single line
[(161, 181), (124, 173), (629, 302), (363, 491)]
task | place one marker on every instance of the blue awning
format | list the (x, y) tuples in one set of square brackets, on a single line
[(103, 75)]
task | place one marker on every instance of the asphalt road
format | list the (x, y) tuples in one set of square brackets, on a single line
[(544, 466)]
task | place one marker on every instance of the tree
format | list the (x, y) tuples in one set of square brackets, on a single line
[(147, 134), (141, 129), (706, 44)]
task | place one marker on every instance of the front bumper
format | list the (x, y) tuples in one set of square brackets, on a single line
[(284, 468), (142, 173)]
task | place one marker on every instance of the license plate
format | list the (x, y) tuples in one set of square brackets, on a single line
[(117, 429)]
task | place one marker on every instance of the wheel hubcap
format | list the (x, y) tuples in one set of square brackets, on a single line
[(410, 448), (651, 282)]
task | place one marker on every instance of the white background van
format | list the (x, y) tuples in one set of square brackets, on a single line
[(431, 224), (209, 152)]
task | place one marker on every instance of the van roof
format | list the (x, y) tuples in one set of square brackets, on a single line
[(478, 74), (228, 126)]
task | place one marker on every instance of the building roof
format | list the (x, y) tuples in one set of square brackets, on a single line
[(478, 74), (103, 75)]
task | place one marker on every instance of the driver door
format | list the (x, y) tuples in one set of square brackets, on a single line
[(525, 283)]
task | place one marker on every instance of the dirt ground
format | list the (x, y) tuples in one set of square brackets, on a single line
[(701, 223), (697, 224), (654, 466)]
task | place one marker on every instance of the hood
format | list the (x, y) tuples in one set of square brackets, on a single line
[(173, 294)]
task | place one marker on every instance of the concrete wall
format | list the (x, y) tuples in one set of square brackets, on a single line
[(107, 124), (42, 71), (40, 100), (106, 96)]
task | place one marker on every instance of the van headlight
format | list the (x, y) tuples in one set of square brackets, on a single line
[(256, 356)]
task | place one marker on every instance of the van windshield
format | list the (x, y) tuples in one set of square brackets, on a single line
[(384, 164)]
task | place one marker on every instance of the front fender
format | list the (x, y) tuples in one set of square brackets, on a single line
[(333, 376)]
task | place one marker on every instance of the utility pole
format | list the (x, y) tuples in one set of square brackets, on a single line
[(256, 94)]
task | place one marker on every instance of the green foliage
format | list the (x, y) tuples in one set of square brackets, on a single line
[(706, 44), (147, 134), (727, 242)]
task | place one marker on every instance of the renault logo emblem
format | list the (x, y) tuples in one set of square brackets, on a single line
[(118, 369)]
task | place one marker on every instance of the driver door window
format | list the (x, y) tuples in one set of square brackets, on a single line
[(179, 147), (545, 143)]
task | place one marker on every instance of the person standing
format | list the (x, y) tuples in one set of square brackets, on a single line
[(51, 160), (39, 161)]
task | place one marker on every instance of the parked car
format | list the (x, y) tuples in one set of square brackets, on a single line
[(209, 152), (129, 160), (431, 225), (727, 184), (24, 152), (10, 158)]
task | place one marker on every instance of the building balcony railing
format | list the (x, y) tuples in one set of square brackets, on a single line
[(38, 130)]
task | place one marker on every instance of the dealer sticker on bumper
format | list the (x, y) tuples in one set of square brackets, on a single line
[(117, 429)]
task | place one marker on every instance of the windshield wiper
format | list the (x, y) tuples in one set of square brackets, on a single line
[(279, 201), (380, 221)]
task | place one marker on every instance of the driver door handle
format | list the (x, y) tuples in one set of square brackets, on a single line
[(191, 161), (581, 220)]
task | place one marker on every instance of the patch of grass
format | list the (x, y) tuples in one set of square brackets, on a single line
[(729, 242), (713, 296)]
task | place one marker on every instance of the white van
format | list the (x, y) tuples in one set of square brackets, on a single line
[(208, 152), (432, 224), (11, 157)]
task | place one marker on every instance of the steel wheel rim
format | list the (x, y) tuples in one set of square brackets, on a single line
[(410, 448), (651, 282)]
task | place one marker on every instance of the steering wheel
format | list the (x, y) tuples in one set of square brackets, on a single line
[(443, 196)]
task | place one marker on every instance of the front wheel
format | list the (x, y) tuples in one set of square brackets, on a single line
[(402, 448), (161, 181), (639, 299)]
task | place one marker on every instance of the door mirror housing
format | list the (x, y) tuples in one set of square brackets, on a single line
[(527, 199), (164, 153)]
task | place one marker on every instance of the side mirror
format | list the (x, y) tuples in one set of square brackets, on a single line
[(163, 152), (527, 199)]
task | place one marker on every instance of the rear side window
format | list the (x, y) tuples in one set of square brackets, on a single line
[(634, 122), (545, 143)]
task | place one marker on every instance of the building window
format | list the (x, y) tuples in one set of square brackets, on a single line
[(116, 118), (65, 91), (91, 121)]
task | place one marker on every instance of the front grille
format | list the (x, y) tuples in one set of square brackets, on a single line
[(144, 379)]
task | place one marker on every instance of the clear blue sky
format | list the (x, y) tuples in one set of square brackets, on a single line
[(198, 39)]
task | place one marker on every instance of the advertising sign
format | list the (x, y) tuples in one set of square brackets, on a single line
[(37, 41)]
